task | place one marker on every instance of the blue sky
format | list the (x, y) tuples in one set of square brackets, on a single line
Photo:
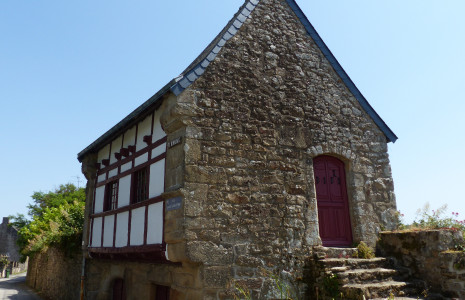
[(70, 70)]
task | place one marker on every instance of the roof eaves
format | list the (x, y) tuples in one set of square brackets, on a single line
[(390, 135), (127, 121), (198, 66)]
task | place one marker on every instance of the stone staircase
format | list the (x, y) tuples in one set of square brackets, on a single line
[(375, 278)]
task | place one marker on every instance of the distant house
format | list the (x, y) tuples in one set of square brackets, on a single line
[(9, 248), (260, 150)]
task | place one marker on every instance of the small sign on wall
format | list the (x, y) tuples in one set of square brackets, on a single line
[(173, 203), (174, 142)]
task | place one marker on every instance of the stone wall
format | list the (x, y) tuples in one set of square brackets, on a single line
[(427, 254), (252, 125), (8, 238), (54, 275), (8, 246), (141, 279)]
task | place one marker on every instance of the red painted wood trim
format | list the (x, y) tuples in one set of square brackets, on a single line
[(128, 207), (153, 123), (129, 227), (130, 249), (103, 231), (91, 231), (114, 230), (132, 170), (135, 144), (133, 156), (148, 253), (147, 139), (91, 222), (146, 224)]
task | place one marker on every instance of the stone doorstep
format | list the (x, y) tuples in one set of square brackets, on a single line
[(331, 252)]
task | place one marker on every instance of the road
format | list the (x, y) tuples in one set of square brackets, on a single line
[(15, 288)]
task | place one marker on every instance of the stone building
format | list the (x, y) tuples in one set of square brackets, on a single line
[(260, 150), (9, 248)]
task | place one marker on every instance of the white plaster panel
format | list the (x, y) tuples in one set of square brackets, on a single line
[(113, 173), (115, 147), (144, 128), (155, 224), (158, 132), (129, 137), (157, 178), (126, 166), (124, 191), (99, 195), (97, 233), (108, 231), (159, 150), (103, 153), (121, 238), (141, 159), (102, 177), (137, 226)]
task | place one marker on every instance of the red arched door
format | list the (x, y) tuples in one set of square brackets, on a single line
[(333, 204)]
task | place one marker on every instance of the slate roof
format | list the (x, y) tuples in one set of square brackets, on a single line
[(199, 65)]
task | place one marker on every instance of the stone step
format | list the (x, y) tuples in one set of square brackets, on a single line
[(354, 263), (377, 290), (397, 298), (366, 275), (331, 252)]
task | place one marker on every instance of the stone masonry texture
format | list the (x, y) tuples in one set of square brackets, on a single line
[(250, 127), (430, 255), (253, 123), (55, 275), (8, 237)]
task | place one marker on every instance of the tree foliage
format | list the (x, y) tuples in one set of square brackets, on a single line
[(57, 220)]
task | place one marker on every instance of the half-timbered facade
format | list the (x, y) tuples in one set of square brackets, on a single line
[(260, 150), (127, 212)]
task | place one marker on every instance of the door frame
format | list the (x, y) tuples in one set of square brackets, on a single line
[(348, 193)]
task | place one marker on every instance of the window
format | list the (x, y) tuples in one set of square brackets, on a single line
[(111, 196), (140, 186)]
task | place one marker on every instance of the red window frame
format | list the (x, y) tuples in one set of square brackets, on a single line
[(140, 185), (111, 196)]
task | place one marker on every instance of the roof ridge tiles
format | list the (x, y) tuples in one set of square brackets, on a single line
[(210, 53)]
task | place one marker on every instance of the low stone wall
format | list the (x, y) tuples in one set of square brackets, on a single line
[(427, 254), (54, 275)]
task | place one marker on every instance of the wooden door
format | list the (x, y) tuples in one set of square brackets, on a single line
[(162, 292), (333, 204), (119, 290)]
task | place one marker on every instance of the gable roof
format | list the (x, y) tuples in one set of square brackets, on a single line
[(199, 65)]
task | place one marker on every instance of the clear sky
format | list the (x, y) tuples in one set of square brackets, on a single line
[(70, 70)]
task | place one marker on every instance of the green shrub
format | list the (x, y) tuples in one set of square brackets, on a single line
[(331, 285), (364, 251), (57, 220), (436, 219)]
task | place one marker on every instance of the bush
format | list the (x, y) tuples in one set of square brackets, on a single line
[(364, 251), (57, 220), (436, 219)]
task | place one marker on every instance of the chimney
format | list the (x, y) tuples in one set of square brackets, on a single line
[(6, 220)]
